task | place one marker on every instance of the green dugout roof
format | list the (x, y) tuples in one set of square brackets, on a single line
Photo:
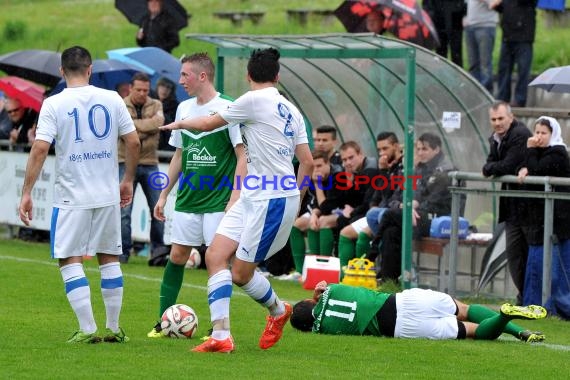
[(357, 83)]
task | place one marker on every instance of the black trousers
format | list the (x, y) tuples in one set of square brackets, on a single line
[(517, 254), (390, 231)]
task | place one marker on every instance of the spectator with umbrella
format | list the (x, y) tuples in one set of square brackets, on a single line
[(405, 20), (447, 16), (165, 92), (23, 122), (157, 28), (5, 122)]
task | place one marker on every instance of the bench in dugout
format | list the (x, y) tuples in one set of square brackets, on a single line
[(440, 248)]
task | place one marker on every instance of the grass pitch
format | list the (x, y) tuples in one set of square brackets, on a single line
[(36, 320)]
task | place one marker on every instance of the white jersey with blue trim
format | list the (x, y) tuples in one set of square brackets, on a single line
[(271, 128), (85, 123)]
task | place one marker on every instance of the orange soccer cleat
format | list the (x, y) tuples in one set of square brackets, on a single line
[(214, 345), (274, 328)]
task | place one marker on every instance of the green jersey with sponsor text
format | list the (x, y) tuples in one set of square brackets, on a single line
[(208, 159), (348, 310)]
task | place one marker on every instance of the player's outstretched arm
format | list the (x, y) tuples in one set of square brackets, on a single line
[(36, 161), (201, 123)]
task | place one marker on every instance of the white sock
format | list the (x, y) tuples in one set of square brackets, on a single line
[(219, 295), (261, 291), (112, 291), (79, 296)]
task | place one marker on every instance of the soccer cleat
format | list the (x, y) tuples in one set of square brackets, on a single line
[(118, 337), (523, 312), (156, 332), (274, 328), (531, 336), (81, 337), (214, 345)]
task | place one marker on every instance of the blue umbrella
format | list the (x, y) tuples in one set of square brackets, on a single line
[(153, 60), (108, 73)]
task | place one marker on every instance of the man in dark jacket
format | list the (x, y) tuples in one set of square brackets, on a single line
[(518, 21), (507, 154), (157, 28), (432, 198)]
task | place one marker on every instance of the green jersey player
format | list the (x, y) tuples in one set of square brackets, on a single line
[(203, 165), (415, 313)]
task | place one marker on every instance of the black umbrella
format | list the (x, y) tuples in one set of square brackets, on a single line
[(40, 66), (405, 19), (495, 257), (135, 10)]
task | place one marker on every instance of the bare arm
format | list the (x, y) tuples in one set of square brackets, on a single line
[(132, 146), (201, 123), (240, 173), (303, 154), (36, 161), (319, 290), (174, 169)]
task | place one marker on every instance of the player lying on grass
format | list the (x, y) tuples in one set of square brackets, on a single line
[(415, 313)]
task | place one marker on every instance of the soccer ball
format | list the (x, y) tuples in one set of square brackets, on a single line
[(179, 321), (194, 260)]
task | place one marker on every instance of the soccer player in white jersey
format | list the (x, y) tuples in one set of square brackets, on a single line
[(258, 224), (200, 203), (85, 123)]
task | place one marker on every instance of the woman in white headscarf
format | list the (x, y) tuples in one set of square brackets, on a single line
[(547, 156)]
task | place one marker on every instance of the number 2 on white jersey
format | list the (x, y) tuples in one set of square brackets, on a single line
[(286, 114)]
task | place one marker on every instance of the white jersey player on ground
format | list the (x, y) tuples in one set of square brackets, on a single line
[(85, 124), (259, 223)]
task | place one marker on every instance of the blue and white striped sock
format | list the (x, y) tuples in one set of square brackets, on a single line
[(79, 296), (261, 291), (219, 295), (112, 291)]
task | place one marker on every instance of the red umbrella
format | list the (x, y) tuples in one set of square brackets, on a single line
[(28, 93), (405, 19)]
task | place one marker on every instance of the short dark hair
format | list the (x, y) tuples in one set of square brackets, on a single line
[(320, 154), (351, 144), (302, 317), (431, 140), (263, 65), (204, 61), (327, 129), (501, 103), (75, 60), (140, 77), (391, 136)]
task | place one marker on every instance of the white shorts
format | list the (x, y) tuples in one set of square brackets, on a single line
[(193, 230), (80, 232), (359, 225), (425, 313), (261, 227)]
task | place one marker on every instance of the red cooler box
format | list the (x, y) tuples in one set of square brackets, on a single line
[(319, 268)]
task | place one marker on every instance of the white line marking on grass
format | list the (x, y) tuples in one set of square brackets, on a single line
[(127, 275)]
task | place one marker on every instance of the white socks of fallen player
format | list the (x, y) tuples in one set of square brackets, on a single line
[(112, 292), (79, 296)]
